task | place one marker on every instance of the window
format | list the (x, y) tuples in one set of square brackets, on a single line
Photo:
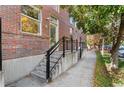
[(53, 20), (30, 19), (53, 30)]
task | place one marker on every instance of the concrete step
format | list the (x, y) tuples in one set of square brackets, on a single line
[(53, 60), (39, 80), (43, 67), (55, 56), (39, 68), (52, 63), (42, 63), (39, 74), (43, 60)]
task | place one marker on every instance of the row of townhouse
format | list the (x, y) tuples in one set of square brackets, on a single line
[(27, 32)]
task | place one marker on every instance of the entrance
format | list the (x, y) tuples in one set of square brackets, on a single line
[(53, 31)]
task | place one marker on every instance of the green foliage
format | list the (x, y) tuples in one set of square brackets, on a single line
[(122, 42), (94, 19), (118, 77), (102, 78), (106, 57), (121, 64), (90, 42)]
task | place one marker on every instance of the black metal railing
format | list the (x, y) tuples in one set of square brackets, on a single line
[(49, 53), (80, 48), (63, 44)]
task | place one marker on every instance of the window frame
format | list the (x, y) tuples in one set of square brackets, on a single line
[(58, 8), (39, 33)]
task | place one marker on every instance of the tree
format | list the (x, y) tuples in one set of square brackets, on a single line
[(117, 44), (101, 19)]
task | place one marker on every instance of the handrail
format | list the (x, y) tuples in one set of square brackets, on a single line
[(49, 53), (56, 63), (54, 48)]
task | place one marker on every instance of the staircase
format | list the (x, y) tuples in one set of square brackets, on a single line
[(40, 69), (49, 66)]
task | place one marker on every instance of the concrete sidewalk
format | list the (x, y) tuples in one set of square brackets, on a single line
[(1, 79), (81, 75)]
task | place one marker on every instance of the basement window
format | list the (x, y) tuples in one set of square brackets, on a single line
[(30, 19)]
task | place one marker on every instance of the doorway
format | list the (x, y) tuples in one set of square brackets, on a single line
[(53, 31)]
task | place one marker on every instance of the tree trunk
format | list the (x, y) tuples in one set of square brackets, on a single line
[(114, 53), (103, 45), (115, 29), (113, 42)]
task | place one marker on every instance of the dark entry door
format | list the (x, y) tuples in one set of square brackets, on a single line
[(0, 45)]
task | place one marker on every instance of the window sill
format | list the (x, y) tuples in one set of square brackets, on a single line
[(34, 35)]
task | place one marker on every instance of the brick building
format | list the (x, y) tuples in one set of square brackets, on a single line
[(27, 32)]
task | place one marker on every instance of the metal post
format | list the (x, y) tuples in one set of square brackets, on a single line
[(76, 45), (66, 44), (0, 46), (80, 48), (71, 44), (63, 46), (48, 66)]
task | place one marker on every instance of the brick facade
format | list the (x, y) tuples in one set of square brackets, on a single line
[(17, 44)]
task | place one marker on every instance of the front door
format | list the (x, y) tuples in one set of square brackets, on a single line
[(0, 45), (53, 31)]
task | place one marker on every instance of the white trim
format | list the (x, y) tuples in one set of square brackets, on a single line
[(58, 10), (39, 22), (40, 29), (57, 36)]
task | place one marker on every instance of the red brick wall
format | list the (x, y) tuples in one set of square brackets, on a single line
[(16, 44)]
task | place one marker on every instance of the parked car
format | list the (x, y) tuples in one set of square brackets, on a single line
[(107, 48), (121, 52), (121, 46)]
